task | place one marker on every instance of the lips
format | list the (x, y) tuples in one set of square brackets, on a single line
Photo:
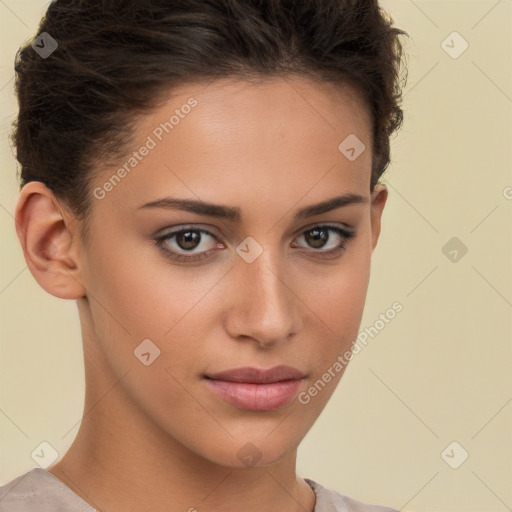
[(254, 389), (257, 376)]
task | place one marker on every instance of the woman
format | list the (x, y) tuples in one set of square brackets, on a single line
[(202, 177)]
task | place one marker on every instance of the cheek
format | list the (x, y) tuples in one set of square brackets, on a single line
[(337, 295), (143, 292), (338, 304), (135, 297), (139, 295)]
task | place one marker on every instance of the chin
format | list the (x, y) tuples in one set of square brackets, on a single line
[(251, 451)]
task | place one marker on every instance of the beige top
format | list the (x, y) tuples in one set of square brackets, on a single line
[(38, 490)]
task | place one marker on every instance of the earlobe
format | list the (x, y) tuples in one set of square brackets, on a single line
[(379, 198), (45, 235)]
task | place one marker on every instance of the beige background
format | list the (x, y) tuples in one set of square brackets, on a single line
[(439, 372)]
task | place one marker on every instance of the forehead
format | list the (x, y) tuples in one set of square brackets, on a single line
[(236, 108), (239, 139)]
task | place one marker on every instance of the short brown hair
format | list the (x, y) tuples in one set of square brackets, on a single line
[(119, 57)]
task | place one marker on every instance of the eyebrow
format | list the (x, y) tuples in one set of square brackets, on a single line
[(233, 213)]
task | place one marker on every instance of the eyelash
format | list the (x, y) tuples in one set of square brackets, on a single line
[(160, 241)]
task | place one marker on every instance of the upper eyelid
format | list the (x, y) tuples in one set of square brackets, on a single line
[(326, 224), (211, 230), (175, 231)]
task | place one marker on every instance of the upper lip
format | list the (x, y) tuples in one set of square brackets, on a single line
[(258, 376)]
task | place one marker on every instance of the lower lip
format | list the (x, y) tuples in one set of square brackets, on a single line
[(256, 397)]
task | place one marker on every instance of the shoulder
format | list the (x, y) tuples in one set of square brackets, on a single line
[(329, 500), (38, 490)]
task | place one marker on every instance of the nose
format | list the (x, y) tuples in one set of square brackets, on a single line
[(264, 307)]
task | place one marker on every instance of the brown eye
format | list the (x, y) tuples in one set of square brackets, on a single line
[(322, 239), (316, 237), (188, 239), (181, 244)]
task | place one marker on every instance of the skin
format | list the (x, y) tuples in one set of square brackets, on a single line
[(155, 437)]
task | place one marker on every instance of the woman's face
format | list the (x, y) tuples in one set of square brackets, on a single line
[(260, 280)]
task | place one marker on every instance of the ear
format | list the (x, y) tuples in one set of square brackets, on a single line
[(44, 231), (379, 197)]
